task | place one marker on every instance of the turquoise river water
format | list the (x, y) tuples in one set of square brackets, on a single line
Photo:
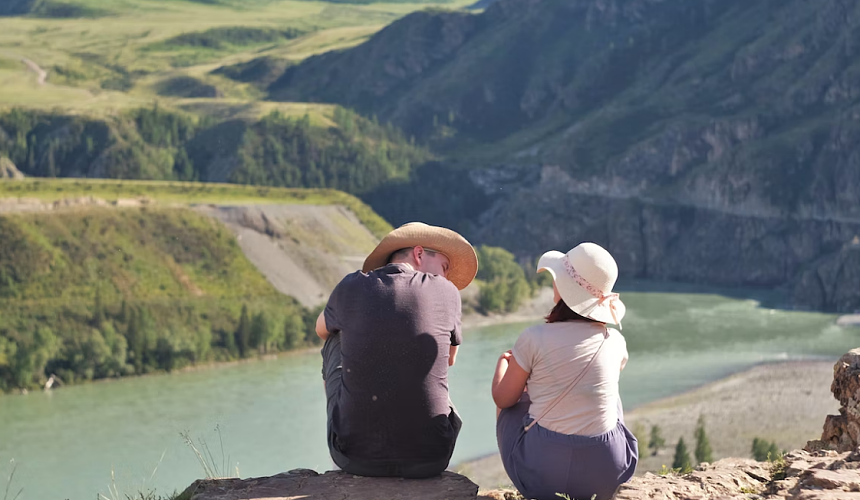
[(259, 418)]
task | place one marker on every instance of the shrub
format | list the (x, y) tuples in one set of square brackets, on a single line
[(703, 446), (682, 457)]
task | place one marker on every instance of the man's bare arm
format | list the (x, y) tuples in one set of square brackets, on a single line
[(321, 329), (452, 354)]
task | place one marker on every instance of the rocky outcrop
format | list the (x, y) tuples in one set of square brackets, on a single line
[(842, 432), (8, 169), (800, 475), (304, 483)]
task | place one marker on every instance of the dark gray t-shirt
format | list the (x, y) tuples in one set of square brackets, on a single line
[(396, 326)]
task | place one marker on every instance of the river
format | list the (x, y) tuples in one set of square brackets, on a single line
[(121, 437)]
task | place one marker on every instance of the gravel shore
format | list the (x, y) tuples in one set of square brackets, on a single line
[(784, 402)]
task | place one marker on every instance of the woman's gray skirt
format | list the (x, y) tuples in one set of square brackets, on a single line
[(542, 463)]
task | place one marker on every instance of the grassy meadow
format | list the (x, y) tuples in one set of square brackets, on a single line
[(129, 53), (186, 193)]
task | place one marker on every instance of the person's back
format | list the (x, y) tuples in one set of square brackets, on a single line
[(394, 403), (566, 434), (391, 331)]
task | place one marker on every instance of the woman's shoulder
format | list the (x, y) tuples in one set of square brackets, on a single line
[(616, 335)]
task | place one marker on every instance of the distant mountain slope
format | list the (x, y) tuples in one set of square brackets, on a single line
[(689, 137), (49, 8), (644, 91)]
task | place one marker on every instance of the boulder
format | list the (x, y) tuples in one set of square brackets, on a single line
[(307, 484), (842, 432)]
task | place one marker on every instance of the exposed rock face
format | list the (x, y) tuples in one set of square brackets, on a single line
[(724, 479), (822, 475), (842, 432), (8, 169), (818, 260), (304, 483)]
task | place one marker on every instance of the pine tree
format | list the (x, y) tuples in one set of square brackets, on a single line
[(123, 312), (243, 332), (293, 332), (762, 450), (656, 442), (682, 457), (703, 446), (98, 310), (259, 332)]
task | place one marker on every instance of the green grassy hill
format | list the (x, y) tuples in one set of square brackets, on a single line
[(104, 57), (91, 291), (100, 292)]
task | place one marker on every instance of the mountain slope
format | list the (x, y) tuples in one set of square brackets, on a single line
[(688, 137)]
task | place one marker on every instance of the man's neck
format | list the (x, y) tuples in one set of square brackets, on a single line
[(404, 263)]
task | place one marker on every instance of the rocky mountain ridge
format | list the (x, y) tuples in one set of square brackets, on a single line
[(712, 141)]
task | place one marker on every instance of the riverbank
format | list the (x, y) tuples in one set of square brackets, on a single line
[(849, 320), (533, 310), (785, 402)]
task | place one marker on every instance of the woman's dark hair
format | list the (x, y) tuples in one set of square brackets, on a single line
[(563, 313)]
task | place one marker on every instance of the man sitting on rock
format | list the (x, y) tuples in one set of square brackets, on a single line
[(391, 331)]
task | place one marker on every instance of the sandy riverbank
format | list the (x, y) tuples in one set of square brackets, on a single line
[(785, 402), (849, 320)]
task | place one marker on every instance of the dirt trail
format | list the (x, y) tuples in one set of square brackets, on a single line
[(41, 74)]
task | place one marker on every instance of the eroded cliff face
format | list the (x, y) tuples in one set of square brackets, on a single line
[(817, 258)]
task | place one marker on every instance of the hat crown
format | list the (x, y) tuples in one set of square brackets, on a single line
[(595, 265)]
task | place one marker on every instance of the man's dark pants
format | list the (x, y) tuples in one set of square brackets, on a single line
[(332, 372)]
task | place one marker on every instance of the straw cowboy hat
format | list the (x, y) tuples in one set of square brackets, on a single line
[(584, 277), (461, 256)]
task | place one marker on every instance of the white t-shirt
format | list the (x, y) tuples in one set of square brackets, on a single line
[(555, 354)]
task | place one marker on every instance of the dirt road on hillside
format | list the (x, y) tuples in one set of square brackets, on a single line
[(42, 75)]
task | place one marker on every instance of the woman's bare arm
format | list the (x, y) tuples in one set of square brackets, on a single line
[(509, 381)]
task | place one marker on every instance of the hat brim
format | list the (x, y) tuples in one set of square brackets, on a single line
[(463, 261), (578, 299)]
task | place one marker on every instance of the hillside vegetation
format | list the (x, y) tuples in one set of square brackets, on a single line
[(355, 154), (96, 292)]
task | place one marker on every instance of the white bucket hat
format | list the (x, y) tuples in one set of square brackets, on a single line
[(584, 277)]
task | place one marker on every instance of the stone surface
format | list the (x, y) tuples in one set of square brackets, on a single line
[(308, 485), (727, 478), (842, 432), (822, 475)]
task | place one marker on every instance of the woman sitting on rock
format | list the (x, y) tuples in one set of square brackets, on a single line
[(566, 434)]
